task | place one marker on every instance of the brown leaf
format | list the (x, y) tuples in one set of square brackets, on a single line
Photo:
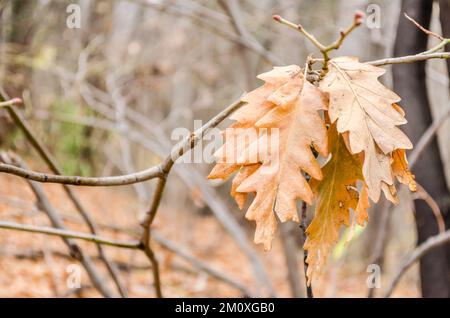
[(336, 196), (277, 129), (243, 174), (362, 106), (279, 181), (240, 134)]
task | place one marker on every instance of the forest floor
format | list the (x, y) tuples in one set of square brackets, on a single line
[(35, 265)]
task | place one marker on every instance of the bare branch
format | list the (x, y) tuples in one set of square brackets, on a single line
[(422, 194), (420, 251), (344, 33), (324, 49), (141, 176), (426, 31), (438, 47), (145, 238), (303, 227), (302, 30), (410, 58), (68, 234)]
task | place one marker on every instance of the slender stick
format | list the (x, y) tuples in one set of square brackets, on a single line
[(422, 194), (410, 58), (145, 238), (141, 176), (420, 251), (324, 49), (136, 177), (438, 47), (309, 291), (302, 30), (426, 31), (68, 234)]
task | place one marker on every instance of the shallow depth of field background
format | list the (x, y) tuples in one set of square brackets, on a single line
[(169, 63)]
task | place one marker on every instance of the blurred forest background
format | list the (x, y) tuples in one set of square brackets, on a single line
[(105, 98)]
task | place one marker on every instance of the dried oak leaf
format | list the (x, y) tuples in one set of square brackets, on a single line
[(366, 109), (244, 173), (278, 182), (284, 115), (337, 194), (241, 133)]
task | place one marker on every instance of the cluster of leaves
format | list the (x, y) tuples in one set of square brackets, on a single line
[(348, 121)]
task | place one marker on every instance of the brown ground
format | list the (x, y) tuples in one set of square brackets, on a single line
[(22, 276)]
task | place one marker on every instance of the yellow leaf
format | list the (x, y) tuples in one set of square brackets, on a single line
[(363, 107), (336, 195)]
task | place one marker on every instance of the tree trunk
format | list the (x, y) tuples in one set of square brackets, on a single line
[(410, 84), (444, 16)]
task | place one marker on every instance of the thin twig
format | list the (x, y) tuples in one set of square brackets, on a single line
[(141, 176), (309, 291), (426, 31), (357, 20), (132, 178), (420, 251), (422, 194), (324, 49), (438, 47), (302, 30), (68, 234), (145, 238), (410, 59)]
